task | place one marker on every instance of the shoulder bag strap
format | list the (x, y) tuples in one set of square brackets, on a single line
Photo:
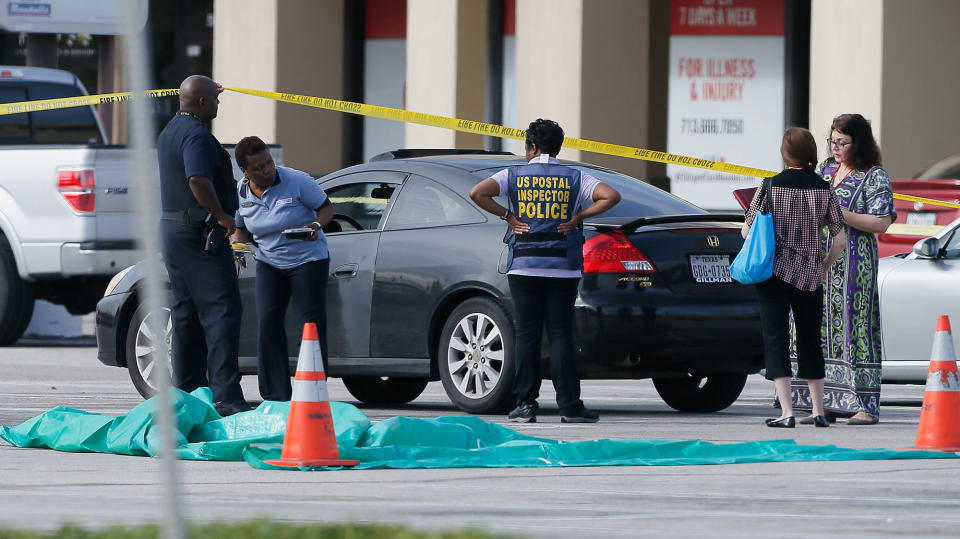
[(767, 196)]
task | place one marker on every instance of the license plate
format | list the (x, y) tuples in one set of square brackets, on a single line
[(710, 268), (922, 218)]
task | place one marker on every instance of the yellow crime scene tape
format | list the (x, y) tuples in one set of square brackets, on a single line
[(492, 130), (79, 101), (466, 126)]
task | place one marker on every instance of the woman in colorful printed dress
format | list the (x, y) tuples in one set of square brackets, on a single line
[(851, 318)]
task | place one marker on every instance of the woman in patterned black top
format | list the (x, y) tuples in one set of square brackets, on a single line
[(802, 205)]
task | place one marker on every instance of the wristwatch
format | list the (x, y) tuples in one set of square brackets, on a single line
[(505, 215)]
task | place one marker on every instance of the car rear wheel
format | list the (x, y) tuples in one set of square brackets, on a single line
[(16, 298), (475, 357), (142, 347), (701, 393), (384, 390)]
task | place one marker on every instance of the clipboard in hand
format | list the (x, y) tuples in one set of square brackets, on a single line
[(744, 196)]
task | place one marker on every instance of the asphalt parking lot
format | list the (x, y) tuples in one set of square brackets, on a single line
[(43, 489)]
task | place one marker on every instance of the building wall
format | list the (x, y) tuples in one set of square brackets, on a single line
[(921, 75), (616, 100), (293, 46), (548, 66), (595, 67), (310, 62), (431, 69), (846, 47), (384, 72), (234, 30), (446, 68), (472, 55), (601, 74), (898, 65)]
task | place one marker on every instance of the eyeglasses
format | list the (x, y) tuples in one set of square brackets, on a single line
[(838, 143)]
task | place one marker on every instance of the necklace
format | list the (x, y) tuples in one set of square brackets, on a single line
[(838, 177)]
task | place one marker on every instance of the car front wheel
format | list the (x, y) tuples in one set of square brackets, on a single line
[(143, 345), (701, 393), (475, 357)]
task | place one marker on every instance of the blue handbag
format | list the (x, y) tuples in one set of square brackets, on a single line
[(754, 262)]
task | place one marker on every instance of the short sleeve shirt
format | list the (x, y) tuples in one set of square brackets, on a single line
[(291, 202), (862, 191), (584, 199), (187, 148)]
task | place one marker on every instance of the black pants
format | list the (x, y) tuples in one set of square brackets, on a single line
[(777, 298), (205, 314), (307, 285), (539, 300)]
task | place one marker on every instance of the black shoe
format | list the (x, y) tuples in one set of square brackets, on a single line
[(818, 420), (785, 423), (581, 416), (225, 408), (524, 413)]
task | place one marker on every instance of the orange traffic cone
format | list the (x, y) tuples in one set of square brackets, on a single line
[(940, 418), (310, 439)]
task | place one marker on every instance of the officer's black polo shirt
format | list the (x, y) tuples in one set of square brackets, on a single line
[(187, 148)]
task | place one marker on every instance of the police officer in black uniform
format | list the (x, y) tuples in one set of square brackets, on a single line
[(199, 198)]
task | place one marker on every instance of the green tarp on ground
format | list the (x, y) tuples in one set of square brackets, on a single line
[(399, 442)]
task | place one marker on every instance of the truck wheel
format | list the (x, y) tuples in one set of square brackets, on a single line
[(142, 346), (701, 393), (16, 298), (475, 357), (386, 390)]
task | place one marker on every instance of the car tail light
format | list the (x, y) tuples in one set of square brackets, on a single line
[(77, 186), (613, 253)]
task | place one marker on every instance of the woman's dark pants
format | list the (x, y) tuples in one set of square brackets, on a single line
[(538, 301), (307, 284), (777, 298)]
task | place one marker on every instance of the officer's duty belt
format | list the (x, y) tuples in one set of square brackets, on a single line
[(541, 236), (192, 217)]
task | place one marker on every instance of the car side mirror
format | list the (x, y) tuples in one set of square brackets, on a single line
[(927, 248)]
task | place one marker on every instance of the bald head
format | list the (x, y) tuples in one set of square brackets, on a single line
[(198, 94)]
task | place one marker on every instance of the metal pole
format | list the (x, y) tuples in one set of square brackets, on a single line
[(145, 185)]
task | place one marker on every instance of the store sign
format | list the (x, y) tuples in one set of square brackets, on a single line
[(726, 97), (102, 17)]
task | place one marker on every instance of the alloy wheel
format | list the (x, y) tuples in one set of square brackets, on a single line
[(148, 343), (475, 355)]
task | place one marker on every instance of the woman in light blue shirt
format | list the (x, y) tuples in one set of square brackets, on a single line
[(273, 199)]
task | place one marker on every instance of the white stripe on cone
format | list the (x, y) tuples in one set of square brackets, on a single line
[(310, 359), (943, 379), (310, 391)]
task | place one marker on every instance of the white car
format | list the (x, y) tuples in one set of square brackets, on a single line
[(915, 288)]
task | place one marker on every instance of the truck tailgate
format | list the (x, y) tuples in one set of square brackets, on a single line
[(116, 191)]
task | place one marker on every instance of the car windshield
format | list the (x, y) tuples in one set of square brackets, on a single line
[(640, 199), (944, 169)]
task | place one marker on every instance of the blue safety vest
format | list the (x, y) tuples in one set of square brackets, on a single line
[(544, 195)]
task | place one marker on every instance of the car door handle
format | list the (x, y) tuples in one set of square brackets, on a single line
[(346, 270)]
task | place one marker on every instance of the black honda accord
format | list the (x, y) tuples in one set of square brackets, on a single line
[(418, 292)]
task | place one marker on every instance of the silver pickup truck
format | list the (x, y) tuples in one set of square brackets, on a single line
[(65, 208)]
